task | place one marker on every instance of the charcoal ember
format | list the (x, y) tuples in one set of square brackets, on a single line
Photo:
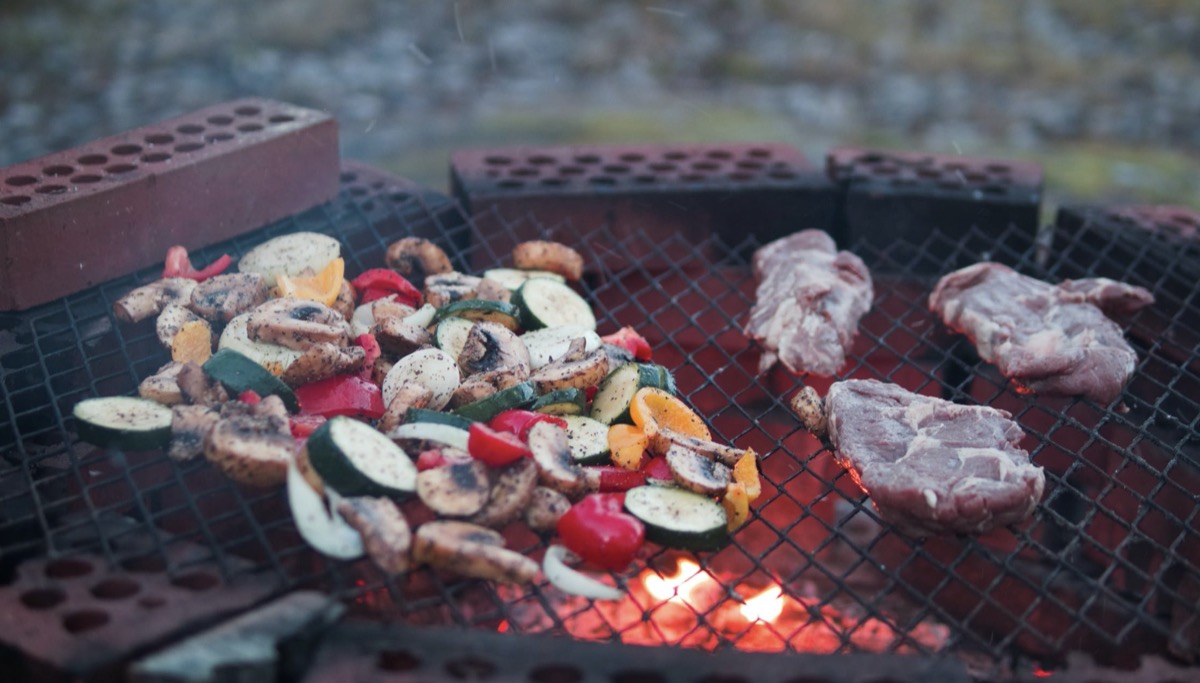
[(974, 208), (680, 194), (809, 300), (74, 219), (1052, 339), (931, 466)]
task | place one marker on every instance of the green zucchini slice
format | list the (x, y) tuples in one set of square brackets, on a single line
[(483, 410), (355, 459), (676, 518), (124, 422), (611, 402), (549, 303), (239, 373)]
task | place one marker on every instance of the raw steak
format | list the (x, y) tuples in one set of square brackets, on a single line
[(809, 300), (929, 465), (1051, 339)]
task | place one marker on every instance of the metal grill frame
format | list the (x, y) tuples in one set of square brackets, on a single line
[(58, 497)]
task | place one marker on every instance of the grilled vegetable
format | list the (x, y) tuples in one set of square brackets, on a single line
[(193, 342), (178, 264), (513, 278), (629, 339), (251, 449), (511, 492), (493, 447), (627, 446), (451, 335), (400, 337), (190, 427), (550, 343), (326, 532), (676, 518), (377, 283), (224, 297), (563, 373), (293, 254), (432, 368), (323, 361), (518, 396), (695, 472), (471, 550), (356, 460), (273, 357), (173, 317), (546, 506), (572, 582), (425, 415), (323, 288), (297, 324), (416, 258), (349, 395), (123, 422), (238, 374), (163, 386), (409, 397), (598, 530), (458, 489), (481, 310), (548, 303), (149, 300), (552, 256), (612, 401), (552, 453), (660, 414), (587, 439), (385, 533), (430, 431), (519, 422), (490, 347), (570, 401)]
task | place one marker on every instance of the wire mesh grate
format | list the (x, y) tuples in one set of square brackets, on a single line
[(1100, 567)]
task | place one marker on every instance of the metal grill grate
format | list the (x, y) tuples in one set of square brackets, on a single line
[(1109, 564)]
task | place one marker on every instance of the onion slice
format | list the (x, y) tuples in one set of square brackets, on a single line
[(326, 532), (432, 431), (572, 582)]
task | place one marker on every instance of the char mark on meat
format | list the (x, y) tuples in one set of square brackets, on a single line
[(932, 466), (1050, 339), (809, 301)]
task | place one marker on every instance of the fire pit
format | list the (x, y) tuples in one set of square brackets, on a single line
[(1108, 566)]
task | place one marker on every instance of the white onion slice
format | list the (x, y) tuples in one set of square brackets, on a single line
[(432, 431), (326, 532), (572, 582)]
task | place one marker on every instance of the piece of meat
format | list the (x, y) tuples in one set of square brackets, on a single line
[(1049, 339), (929, 465), (809, 300)]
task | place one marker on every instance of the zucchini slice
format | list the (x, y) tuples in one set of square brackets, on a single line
[(588, 440), (676, 518), (611, 402), (562, 402), (513, 278), (436, 417), (354, 459), (239, 373), (549, 303), (549, 343), (451, 335), (125, 422), (477, 310), (517, 396)]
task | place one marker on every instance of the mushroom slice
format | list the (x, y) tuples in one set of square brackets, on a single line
[(697, 473), (408, 395), (163, 386), (458, 489), (197, 387), (345, 301), (416, 258), (552, 454), (585, 372), (399, 337), (251, 449), (479, 386), (726, 455), (492, 346), (324, 360), (172, 318), (471, 550), (221, 298), (446, 288), (385, 533), (510, 494), (492, 291), (546, 255), (545, 508), (297, 324), (149, 300), (190, 427)]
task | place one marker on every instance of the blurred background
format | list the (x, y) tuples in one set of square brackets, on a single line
[(1106, 95)]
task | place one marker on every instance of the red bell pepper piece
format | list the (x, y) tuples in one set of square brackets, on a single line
[(371, 346), (494, 447), (628, 339), (618, 479), (519, 422), (657, 468), (377, 283), (430, 459), (303, 426), (179, 265), (250, 397), (598, 530), (349, 395)]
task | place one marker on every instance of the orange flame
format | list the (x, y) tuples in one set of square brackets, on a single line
[(765, 607), (680, 586)]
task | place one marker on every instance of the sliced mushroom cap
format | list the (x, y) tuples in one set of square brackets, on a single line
[(546, 255), (386, 535), (197, 387), (481, 385), (562, 373), (409, 395), (172, 318), (416, 258), (399, 337), (552, 455), (223, 297), (446, 288), (471, 550), (190, 427), (492, 291), (458, 489), (491, 346), (250, 449), (512, 488), (324, 360), (697, 473), (149, 300), (163, 386), (617, 356), (345, 301), (544, 509), (727, 455), (297, 324)]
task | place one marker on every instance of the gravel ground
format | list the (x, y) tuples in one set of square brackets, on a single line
[(410, 80)]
